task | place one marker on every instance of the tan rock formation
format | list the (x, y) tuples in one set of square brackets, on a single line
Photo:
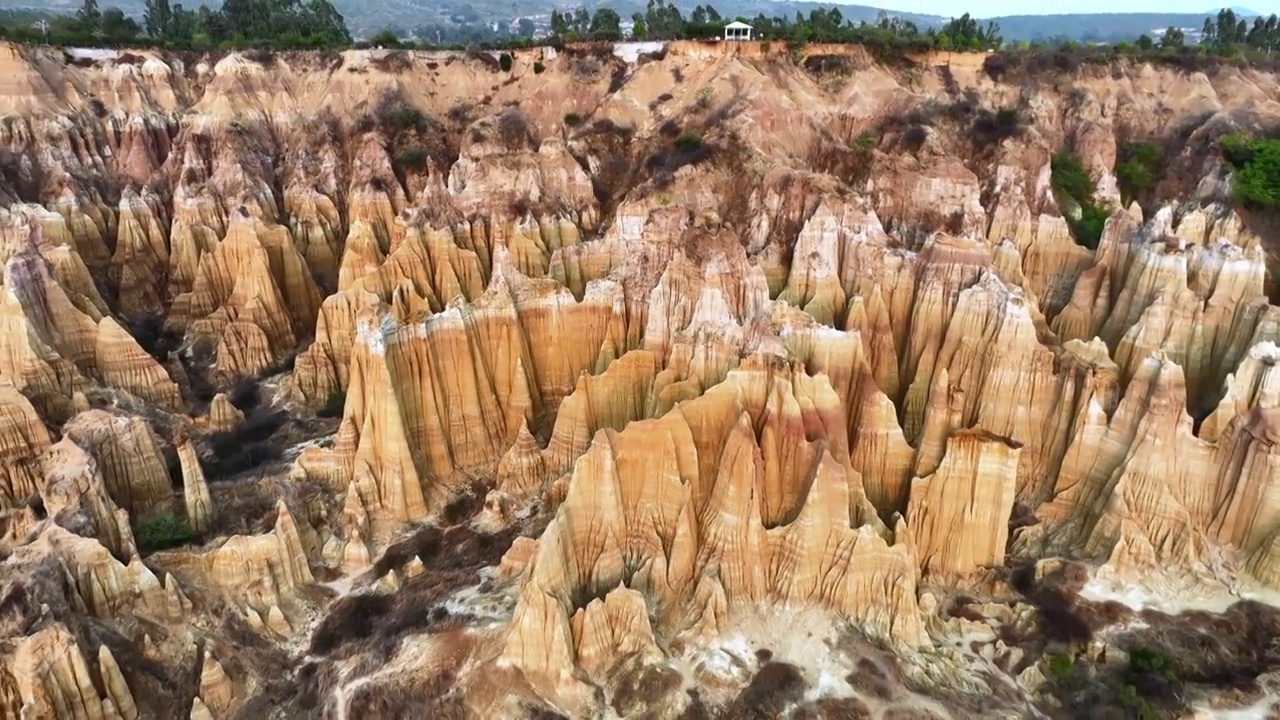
[(55, 679), (75, 495), (195, 491), (251, 297), (216, 690), (23, 438), (255, 573), (523, 363), (785, 517), (792, 370), (958, 515), (223, 416), (128, 455)]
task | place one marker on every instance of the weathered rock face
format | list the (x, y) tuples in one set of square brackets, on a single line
[(732, 476), (23, 438), (788, 369), (128, 455)]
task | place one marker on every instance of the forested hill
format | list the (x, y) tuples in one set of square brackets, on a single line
[(478, 18)]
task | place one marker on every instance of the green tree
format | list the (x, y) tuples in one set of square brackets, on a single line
[(1173, 39), (157, 16), (637, 27), (525, 28), (115, 28), (1144, 43), (88, 12), (385, 38), (605, 25), (1138, 169), (559, 23)]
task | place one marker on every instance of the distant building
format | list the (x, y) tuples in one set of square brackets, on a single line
[(737, 31)]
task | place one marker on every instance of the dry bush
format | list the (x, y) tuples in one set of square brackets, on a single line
[(246, 447), (949, 80), (261, 56), (151, 335), (460, 113), (832, 709), (871, 679), (909, 713), (491, 63), (585, 68), (824, 64), (395, 61), (513, 130), (775, 686), (644, 687)]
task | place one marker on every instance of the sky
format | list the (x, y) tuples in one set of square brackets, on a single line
[(990, 8)]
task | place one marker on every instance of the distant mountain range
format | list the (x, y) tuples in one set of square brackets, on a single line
[(364, 17)]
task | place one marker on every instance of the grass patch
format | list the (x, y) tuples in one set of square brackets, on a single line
[(1060, 665), (505, 62), (688, 142), (161, 532)]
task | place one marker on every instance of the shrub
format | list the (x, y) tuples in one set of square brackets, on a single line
[(572, 119), (538, 67), (1146, 660), (245, 395), (413, 157), (1060, 665), (1236, 149), (688, 142), (406, 118), (1256, 183), (991, 128), (246, 447), (1072, 185), (1138, 169), (504, 61), (1069, 176), (704, 98), (867, 141), (513, 128), (1088, 229), (914, 136), (774, 686), (161, 532), (333, 405)]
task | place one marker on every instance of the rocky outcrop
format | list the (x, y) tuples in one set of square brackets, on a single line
[(259, 575), (195, 491), (23, 438), (223, 416), (76, 497), (784, 516), (958, 515), (251, 298), (56, 679), (127, 454)]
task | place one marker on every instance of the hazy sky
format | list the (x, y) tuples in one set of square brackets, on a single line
[(988, 8)]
